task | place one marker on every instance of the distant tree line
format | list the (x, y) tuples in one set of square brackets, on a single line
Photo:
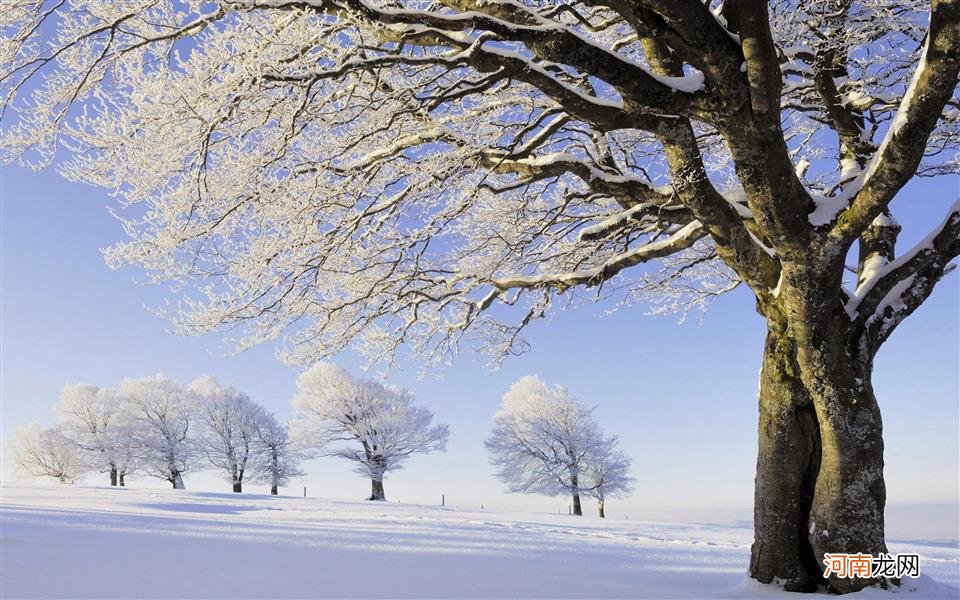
[(544, 441), (158, 427)]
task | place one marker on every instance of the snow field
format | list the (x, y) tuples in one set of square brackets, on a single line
[(92, 542)]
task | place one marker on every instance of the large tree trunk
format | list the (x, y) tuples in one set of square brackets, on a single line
[(787, 463), (376, 490), (122, 475), (577, 509), (850, 495), (177, 480), (819, 486), (574, 485), (238, 486), (847, 514), (113, 475), (376, 479), (273, 489), (600, 508)]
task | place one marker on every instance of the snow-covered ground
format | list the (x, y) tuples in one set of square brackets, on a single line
[(89, 542)]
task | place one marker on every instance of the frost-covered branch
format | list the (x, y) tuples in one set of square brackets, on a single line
[(892, 291), (380, 174), (681, 239), (933, 83)]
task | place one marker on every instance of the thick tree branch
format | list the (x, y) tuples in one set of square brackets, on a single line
[(892, 293), (642, 92), (902, 149), (735, 244), (756, 140)]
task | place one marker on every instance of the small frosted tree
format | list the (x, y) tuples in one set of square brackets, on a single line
[(276, 459), (541, 441), (607, 472), (39, 451), (379, 422), (93, 419), (161, 413), (228, 423)]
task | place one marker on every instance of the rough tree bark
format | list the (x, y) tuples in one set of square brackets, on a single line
[(122, 475), (600, 508), (273, 489), (846, 514), (819, 485), (177, 480), (787, 463), (376, 490), (850, 495), (113, 475)]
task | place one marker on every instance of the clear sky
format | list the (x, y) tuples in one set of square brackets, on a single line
[(681, 397)]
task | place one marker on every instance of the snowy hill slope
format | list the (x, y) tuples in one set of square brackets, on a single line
[(86, 542)]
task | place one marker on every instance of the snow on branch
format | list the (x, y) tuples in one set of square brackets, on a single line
[(683, 237), (361, 173), (892, 292), (902, 148)]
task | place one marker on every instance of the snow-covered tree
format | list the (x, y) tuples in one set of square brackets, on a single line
[(123, 428), (406, 174), (45, 452), (606, 473), (541, 440), (369, 423), (227, 424), (93, 418), (276, 459), (161, 414)]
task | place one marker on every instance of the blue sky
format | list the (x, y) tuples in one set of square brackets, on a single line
[(681, 397)]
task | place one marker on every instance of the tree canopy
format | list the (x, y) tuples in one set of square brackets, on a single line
[(385, 172)]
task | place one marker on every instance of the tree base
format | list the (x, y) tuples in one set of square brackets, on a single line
[(376, 491)]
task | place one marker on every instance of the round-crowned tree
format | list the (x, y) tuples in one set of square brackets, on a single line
[(545, 442), (375, 426)]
